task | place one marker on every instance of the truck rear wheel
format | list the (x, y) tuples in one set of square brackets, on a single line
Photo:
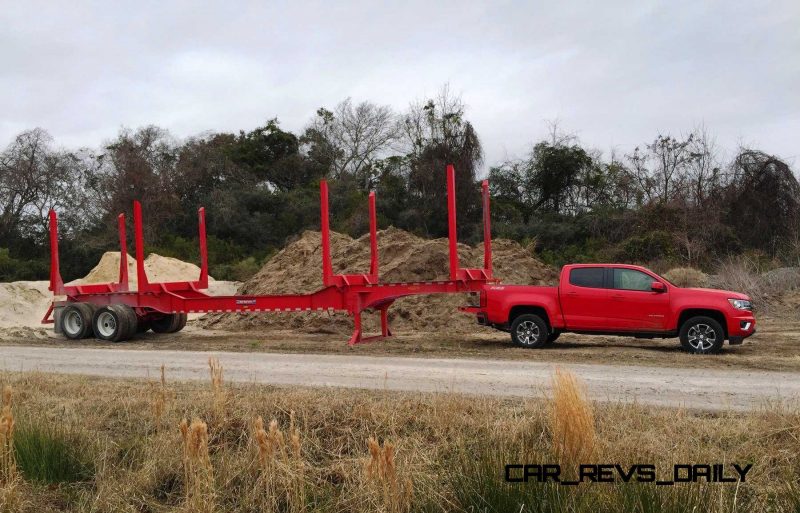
[(702, 335), (530, 331), (76, 321)]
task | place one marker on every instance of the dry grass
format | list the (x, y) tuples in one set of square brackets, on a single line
[(455, 447), (197, 470), (159, 400), (768, 289), (280, 485), (571, 419), (10, 495), (687, 277), (389, 492), (8, 466), (217, 390)]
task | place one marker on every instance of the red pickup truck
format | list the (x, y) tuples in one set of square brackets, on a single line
[(615, 299)]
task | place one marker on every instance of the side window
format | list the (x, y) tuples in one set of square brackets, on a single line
[(631, 279), (591, 277)]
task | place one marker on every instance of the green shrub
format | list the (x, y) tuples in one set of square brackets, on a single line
[(687, 277), (16, 269), (50, 454), (653, 245), (242, 270)]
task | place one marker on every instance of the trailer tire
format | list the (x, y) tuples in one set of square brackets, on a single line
[(170, 323), (133, 320), (76, 321), (529, 331), (183, 319), (111, 323)]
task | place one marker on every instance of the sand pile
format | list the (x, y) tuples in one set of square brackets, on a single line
[(403, 257), (159, 268), (23, 303)]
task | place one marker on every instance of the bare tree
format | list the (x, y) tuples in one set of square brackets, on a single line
[(703, 169), (34, 178), (661, 168), (356, 136)]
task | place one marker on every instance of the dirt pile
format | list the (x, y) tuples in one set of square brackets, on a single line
[(403, 257)]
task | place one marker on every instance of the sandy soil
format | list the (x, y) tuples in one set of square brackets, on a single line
[(711, 389)]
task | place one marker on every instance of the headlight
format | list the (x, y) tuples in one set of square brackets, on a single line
[(741, 304)]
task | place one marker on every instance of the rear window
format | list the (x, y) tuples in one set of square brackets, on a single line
[(587, 277)]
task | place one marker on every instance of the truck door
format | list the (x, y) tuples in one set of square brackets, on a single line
[(584, 299), (634, 306)]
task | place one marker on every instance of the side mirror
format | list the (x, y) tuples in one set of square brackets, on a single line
[(657, 286)]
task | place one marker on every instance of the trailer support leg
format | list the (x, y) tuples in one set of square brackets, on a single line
[(355, 338)]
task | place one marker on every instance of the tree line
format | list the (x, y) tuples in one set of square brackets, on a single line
[(673, 199)]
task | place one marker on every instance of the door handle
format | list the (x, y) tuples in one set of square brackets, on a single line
[(617, 296)]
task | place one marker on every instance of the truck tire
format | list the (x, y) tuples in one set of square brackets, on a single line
[(111, 323), (170, 323), (529, 331), (702, 335), (76, 321)]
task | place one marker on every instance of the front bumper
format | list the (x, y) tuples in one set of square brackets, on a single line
[(740, 327)]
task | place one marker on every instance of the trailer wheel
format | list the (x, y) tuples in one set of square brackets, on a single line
[(76, 321), (170, 323), (133, 320), (529, 330), (111, 323)]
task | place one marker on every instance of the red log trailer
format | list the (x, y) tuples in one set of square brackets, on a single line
[(111, 311)]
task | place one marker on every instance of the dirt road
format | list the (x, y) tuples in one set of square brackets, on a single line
[(711, 389)]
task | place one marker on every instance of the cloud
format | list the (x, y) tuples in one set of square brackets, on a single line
[(614, 72)]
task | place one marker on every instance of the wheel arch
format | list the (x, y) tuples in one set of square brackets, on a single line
[(518, 310), (707, 312)]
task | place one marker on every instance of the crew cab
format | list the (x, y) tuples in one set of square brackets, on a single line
[(617, 299)]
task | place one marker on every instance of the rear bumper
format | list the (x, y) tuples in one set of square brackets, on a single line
[(479, 313)]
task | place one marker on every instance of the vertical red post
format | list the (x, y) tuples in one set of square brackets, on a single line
[(373, 237), (487, 230), (141, 275), (56, 283), (327, 267), (451, 218), (123, 255), (201, 226)]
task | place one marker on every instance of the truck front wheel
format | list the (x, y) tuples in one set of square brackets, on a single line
[(529, 330), (702, 335)]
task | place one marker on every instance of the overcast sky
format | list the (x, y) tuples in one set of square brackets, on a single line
[(615, 73)]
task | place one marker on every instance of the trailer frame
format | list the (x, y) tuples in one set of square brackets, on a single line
[(352, 293)]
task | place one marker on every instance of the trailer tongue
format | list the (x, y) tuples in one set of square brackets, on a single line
[(111, 311)]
